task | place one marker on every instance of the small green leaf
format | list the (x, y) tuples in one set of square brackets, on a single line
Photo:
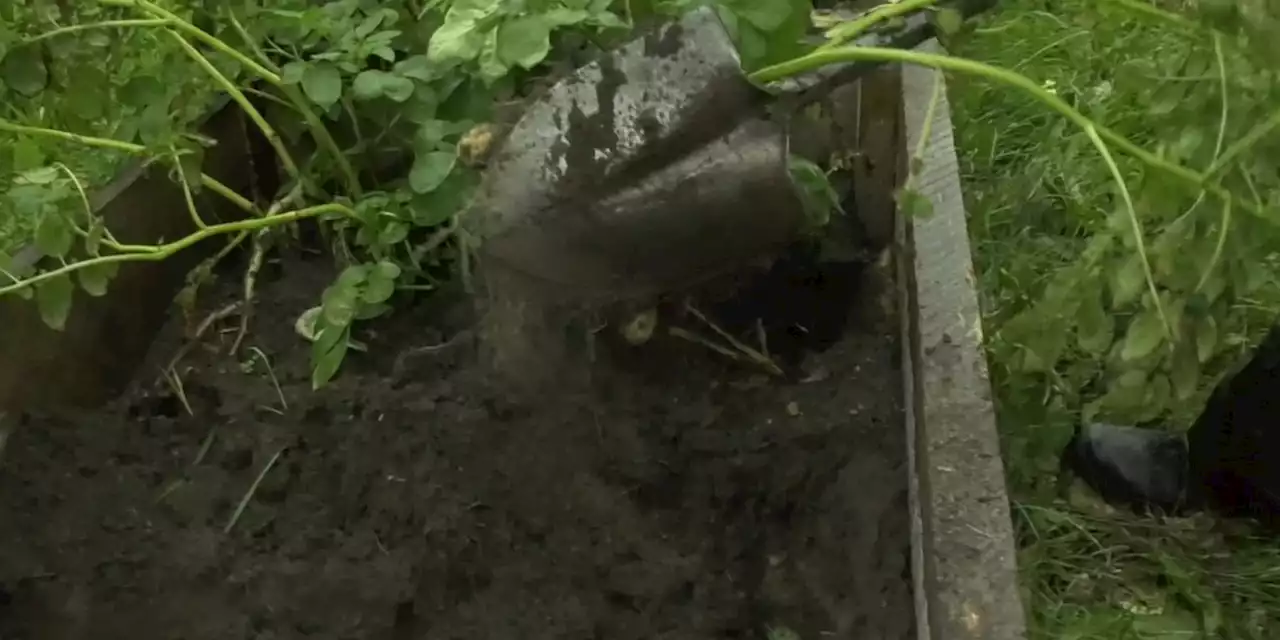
[(369, 85), (327, 353), (1145, 334), (94, 278), (1127, 282), (397, 88), (765, 15), (1095, 329), (417, 67), (27, 154), (322, 82), (948, 21), (292, 72), (1184, 371), (382, 283), (459, 39), (914, 204), (54, 235), (431, 169), (524, 41), (23, 70), (53, 297), (393, 233), (817, 196), (1206, 338)]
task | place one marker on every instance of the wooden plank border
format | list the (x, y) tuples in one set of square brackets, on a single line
[(964, 551)]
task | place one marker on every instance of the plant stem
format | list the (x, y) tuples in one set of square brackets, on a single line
[(105, 24), (164, 251), (175, 21), (1247, 140), (317, 127), (852, 29), (846, 54), (286, 159), (124, 147)]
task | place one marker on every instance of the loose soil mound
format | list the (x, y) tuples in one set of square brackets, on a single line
[(673, 494)]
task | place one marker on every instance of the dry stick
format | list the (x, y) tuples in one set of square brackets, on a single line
[(253, 488), (271, 372), (250, 283), (175, 383), (203, 328), (752, 355)]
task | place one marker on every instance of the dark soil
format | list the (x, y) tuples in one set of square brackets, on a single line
[(674, 493)]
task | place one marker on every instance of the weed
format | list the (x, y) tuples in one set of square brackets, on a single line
[(1081, 327)]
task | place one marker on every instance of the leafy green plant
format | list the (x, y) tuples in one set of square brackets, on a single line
[(357, 78)]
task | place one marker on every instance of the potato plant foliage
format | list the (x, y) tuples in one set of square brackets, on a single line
[(359, 82)]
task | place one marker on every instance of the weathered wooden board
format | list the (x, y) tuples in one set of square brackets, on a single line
[(965, 566), (105, 338)]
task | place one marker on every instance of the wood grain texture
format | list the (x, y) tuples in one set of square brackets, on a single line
[(967, 558), (105, 338)]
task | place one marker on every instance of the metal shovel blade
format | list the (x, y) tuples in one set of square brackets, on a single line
[(648, 170)]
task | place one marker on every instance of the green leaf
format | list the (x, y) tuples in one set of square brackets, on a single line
[(23, 70), (397, 88), (448, 199), (393, 233), (431, 169), (492, 68), (327, 353), (418, 67), (524, 41), (1127, 282), (54, 235), (382, 283), (765, 15), (1184, 370), (322, 82), (369, 85), (948, 21), (1145, 334), (53, 297), (27, 154), (94, 278), (1095, 329), (1206, 338), (460, 39), (292, 72), (817, 196), (914, 204)]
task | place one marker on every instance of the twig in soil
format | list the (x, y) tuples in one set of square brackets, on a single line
[(200, 455), (284, 405), (175, 383), (202, 329), (248, 496), (250, 283), (739, 352), (398, 366)]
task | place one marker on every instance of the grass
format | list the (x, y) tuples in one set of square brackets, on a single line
[(1035, 197)]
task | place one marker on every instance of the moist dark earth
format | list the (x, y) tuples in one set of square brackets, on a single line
[(664, 491)]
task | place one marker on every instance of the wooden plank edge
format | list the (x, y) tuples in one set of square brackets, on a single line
[(964, 550)]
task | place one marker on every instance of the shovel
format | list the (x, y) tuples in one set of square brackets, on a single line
[(655, 168)]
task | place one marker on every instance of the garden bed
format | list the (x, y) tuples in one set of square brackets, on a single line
[(664, 491)]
